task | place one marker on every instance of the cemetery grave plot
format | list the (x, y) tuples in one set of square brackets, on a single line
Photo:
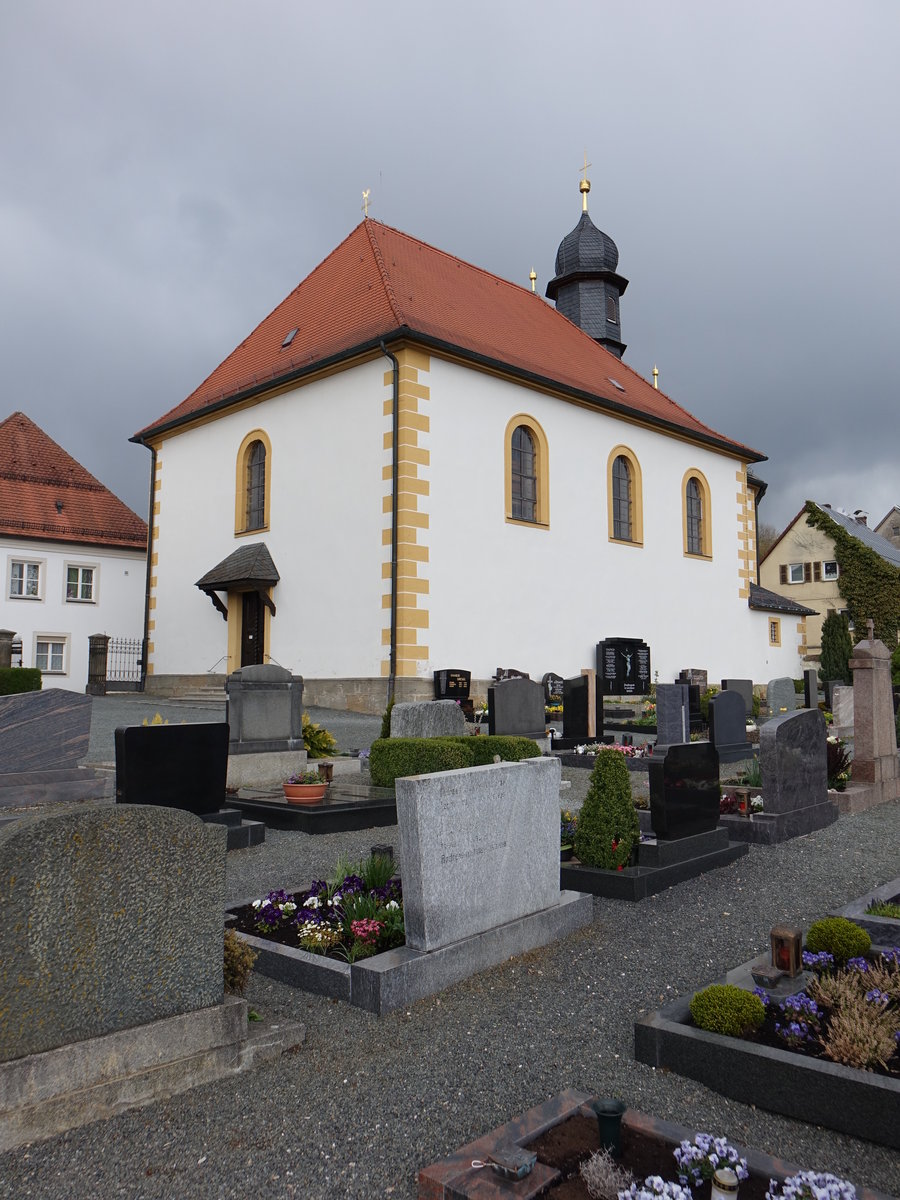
[(788, 1072), (877, 912), (563, 1132), (346, 806)]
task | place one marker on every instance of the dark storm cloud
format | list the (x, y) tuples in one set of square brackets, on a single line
[(170, 173)]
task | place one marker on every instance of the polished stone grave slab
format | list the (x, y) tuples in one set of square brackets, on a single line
[(684, 789), (516, 708), (43, 736), (346, 806), (728, 727)]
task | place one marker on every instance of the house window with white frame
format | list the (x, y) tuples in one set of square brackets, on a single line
[(829, 570), (80, 584), (50, 654), (24, 580)]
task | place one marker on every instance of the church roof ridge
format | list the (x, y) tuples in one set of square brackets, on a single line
[(380, 283)]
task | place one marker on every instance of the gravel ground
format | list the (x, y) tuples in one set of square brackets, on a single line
[(366, 1101)]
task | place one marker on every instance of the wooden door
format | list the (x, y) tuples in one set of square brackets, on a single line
[(252, 630)]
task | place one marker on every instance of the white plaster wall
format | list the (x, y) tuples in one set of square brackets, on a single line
[(513, 596), (776, 661), (117, 610), (324, 533)]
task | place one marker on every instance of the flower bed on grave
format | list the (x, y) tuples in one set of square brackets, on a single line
[(824, 1048)]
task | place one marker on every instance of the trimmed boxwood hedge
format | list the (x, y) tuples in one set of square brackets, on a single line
[(14, 680), (394, 758)]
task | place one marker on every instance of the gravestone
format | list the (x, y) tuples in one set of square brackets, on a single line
[(672, 714), (487, 834), (575, 709), (503, 673), (810, 689), (452, 685), (828, 687), (516, 708), (684, 790), (553, 688), (432, 718), (744, 688), (623, 666), (265, 710), (842, 711), (728, 727), (6, 641), (780, 696), (44, 731), (173, 766), (793, 763), (694, 676), (112, 917), (875, 759)]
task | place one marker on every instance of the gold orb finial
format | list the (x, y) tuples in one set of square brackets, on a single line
[(532, 275), (585, 186), (656, 378)]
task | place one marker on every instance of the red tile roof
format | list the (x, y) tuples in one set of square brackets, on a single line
[(37, 477), (381, 283)]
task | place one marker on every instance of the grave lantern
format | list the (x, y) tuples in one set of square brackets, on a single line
[(724, 1185), (786, 944)]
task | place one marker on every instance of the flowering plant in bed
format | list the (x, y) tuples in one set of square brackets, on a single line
[(304, 777), (699, 1160), (355, 913)]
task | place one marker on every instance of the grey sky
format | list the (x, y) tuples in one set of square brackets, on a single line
[(171, 171)]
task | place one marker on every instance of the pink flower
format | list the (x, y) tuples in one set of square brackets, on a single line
[(367, 929)]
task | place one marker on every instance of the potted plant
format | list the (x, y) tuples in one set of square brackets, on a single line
[(304, 787)]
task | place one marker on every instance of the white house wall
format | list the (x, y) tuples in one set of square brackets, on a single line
[(117, 608)]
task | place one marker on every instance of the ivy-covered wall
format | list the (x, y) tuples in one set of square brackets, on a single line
[(868, 583)]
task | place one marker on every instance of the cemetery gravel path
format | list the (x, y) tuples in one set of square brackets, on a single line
[(367, 1101)]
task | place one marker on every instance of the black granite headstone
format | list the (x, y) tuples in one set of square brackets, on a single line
[(684, 790), (509, 673), (810, 689), (553, 688), (516, 708), (452, 685), (175, 766), (728, 727), (623, 666), (744, 688), (829, 685), (575, 709)]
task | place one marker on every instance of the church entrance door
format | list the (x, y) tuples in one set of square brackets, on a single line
[(252, 630)]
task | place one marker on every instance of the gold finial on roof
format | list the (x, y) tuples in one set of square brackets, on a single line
[(585, 186), (532, 275), (365, 203), (656, 378)]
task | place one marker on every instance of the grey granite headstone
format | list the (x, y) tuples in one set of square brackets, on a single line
[(479, 847), (780, 696), (112, 917), (744, 688), (516, 707), (265, 709), (728, 726), (794, 769), (672, 714), (811, 689), (44, 731), (433, 718), (842, 711)]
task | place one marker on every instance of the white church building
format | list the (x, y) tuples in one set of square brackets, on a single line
[(412, 465)]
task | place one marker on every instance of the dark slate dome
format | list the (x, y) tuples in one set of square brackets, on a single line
[(586, 248)]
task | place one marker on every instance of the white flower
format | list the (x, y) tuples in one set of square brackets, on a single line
[(256, 904), (392, 904)]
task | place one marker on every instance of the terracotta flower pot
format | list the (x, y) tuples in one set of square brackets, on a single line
[(304, 793)]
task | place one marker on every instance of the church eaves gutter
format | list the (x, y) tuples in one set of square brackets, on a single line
[(407, 333)]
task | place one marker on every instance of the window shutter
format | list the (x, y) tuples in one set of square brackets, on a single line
[(807, 572), (782, 573), (817, 572)]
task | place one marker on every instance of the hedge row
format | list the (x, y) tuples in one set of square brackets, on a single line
[(19, 679), (394, 758)]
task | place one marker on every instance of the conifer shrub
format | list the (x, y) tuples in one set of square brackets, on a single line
[(837, 648), (386, 719), (839, 937), (15, 680), (238, 963), (724, 1008), (608, 827)]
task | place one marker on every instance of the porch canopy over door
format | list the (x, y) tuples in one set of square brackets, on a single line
[(247, 569)]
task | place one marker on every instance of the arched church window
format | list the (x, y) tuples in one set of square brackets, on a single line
[(624, 497), (696, 515), (254, 472), (526, 464), (524, 479)]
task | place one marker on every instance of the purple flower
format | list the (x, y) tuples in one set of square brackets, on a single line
[(822, 961), (763, 995), (858, 964)]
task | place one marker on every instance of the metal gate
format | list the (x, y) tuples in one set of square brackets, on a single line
[(125, 665)]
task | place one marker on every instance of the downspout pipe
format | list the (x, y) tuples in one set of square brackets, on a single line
[(150, 520), (395, 505)]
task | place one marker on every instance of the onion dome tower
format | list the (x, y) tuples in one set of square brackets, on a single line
[(586, 287)]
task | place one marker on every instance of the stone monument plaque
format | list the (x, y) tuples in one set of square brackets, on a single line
[(623, 666)]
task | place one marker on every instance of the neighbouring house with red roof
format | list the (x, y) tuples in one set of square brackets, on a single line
[(74, 556), (412, 465)]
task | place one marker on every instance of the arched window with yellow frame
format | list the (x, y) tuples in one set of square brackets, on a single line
[(526, 462), (624, 495), (252, 492), (696, 515)]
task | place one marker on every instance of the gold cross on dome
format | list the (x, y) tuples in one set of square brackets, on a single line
[(365, 203), (585, 186), (585, 167)]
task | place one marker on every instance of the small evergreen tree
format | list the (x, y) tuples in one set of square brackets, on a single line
[(837, 647), (608, 827)]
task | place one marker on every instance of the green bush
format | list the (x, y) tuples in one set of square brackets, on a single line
[(895, 666), (837, 648), (705, 699), (798, 686), (608, 827), (839, 937), (757, 705), (386, 719), (14, 680), (394, 758), (238, 963), (724, 1008)]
